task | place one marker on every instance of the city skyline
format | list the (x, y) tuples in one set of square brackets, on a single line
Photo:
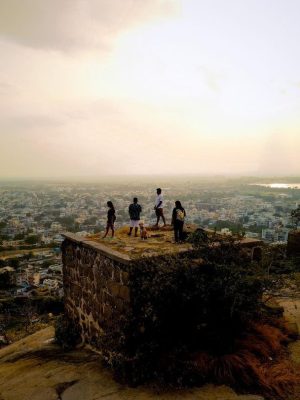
[(160, 87)]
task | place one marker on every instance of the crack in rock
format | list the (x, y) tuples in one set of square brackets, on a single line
[(62, 387)]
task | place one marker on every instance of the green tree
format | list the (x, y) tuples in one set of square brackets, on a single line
[(5, 281), (28, 256), (32, 239), (295, 214), (2, 263), (14, 263), (2, 224), (19, 236), (46, 264)]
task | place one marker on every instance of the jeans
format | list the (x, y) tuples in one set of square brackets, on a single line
[(178, 230)]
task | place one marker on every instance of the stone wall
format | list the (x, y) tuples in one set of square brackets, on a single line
[(293, 245), (95, 285)]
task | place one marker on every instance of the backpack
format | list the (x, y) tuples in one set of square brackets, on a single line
[(179, 215)]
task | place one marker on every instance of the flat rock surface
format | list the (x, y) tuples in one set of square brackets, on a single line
[(160, 241), (291, 308), (36, 369)]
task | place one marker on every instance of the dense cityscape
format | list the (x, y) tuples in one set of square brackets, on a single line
[(149, 200), (33, 215)]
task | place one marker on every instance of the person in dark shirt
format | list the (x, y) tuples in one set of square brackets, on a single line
[(159, 207), (178, 216), (111, 217), (134, 213)]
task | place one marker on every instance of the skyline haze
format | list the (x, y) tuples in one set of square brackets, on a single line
[(158, 87)]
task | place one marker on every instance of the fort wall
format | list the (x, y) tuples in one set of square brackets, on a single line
[(95, 285)]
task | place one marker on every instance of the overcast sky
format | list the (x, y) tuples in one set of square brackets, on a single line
[(98, 87)]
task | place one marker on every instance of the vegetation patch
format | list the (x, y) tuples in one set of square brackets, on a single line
[(201, 318), (67, 334), (21, 316)]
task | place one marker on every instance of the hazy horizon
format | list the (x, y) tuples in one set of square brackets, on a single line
[(154, 178), (98, 88)]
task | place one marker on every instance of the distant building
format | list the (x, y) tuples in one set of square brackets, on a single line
[(267, 234), (56, 268), (51, 283), (34, 279), (28, 277), (281, 235), (226, 231), (275, 235), (56, 227), (251, 234)]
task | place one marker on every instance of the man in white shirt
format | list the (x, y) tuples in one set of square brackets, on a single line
[(159, 207)]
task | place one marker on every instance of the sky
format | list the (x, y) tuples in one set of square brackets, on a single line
[(92, 88)]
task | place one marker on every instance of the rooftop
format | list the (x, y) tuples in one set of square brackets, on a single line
[(160, 241)]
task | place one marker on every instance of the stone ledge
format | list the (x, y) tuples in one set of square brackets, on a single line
[(99, 247)]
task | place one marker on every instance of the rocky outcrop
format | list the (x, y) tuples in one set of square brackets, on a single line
[(36, 369)]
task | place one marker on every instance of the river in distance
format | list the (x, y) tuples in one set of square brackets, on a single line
[(279, 185)]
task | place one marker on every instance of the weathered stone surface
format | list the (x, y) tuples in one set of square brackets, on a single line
[(36, 369), (114, 288), (95, 286), (257, 254), (291, 307), (293, 245), (124, 277), (124, 293)]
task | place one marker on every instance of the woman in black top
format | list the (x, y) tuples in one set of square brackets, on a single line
[(111, 217), (178, 216)]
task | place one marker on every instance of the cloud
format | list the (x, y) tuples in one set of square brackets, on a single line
[(280, 154), (75, 24), (32, 121), (212, 78), (5, 87)]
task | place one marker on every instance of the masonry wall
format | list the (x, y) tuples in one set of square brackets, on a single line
[(293, 245), (95, 285)]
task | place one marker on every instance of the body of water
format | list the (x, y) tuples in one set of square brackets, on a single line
[(279, 185)]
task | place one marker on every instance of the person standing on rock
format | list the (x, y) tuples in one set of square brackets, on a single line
[(111, 218), (178, 217), (134, 213), (159, 207)]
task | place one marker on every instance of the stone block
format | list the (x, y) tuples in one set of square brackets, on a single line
[(94, 287), (95, 311), (124, 293), (114, 288), (78, 254), (107, 269), (124, 277), (293, 244), (256, 254), (119, 304), (117, 275), (107, 311), (106, 297), (88, 309)]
